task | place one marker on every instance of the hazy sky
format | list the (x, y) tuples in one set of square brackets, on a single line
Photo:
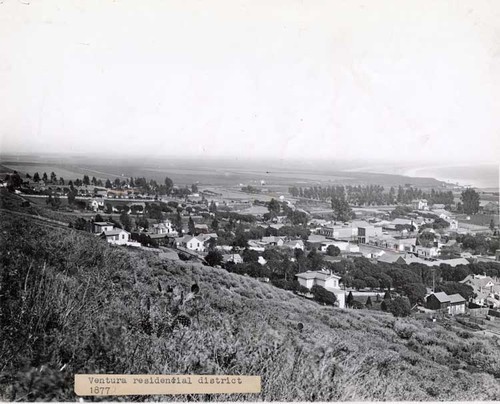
[(399, 80)]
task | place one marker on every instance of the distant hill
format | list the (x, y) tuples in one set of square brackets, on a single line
[(217, 173), (73, 304)]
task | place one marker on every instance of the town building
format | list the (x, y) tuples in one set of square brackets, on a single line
[(448, 304), (116, 236), (99, 227)]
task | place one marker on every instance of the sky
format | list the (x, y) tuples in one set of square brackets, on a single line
[(384, 80)]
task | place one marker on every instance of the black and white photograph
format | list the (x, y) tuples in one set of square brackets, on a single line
[(249, 200)]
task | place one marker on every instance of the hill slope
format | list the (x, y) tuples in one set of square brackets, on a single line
[(72, 304)]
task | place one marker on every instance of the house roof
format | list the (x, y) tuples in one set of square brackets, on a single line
[(103, 224), (271, 239), (157, 236), (454, 262), (316, 275), (114, 232), (402, 221), (231, 257), (361, 223), (456, 298), (293, 243), (442, 297), (477, 281), (391, 258), (316, 238), (203, 237)]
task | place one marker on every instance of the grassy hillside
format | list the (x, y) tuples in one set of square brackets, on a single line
[(72, 304)]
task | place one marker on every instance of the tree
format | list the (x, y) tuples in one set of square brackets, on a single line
[(86, 180), (387, 296), (215, 224), (169, 185), (492, 225), (142, 222), (470, 200), (451, 288), (341, 209), (213, 207), (349, 299), (415, 292), (333, 251), (178, 222), (321, 295), (36, 177), (80, 224), (194, 189), (359, 284), (191, 227), (369, 302), (53, 177), (98, 218), (274, 206), (14, 181), (372, 282), (385, 281), (108, 184), (250, 255), (399, 307), (213, 258), (315, 259), (125, 221), (71, 197)]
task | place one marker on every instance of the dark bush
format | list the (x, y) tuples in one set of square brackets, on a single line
[(321, 295)]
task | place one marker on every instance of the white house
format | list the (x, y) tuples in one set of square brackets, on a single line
[(96, 204), (275, 241), (295, 244), (420, 204), (191, 243), (485, 288), (236, 258), (116, 236), (343, 246), (324, 279), (427, 252), (99, 227), (165, 227)]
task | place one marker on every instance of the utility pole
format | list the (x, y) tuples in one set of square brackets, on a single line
[(433, 279)]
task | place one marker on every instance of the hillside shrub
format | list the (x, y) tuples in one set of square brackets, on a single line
[(321, 295), (399, 307)]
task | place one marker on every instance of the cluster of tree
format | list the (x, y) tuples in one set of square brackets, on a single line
[(460, 272), (437, 224), (399, 306), (470, 202), (250, 189), (410, 280), (479, 244), (373, 194), (53, 201), (294, 216)]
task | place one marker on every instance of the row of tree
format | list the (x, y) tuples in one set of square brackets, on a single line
[(372, 194)]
